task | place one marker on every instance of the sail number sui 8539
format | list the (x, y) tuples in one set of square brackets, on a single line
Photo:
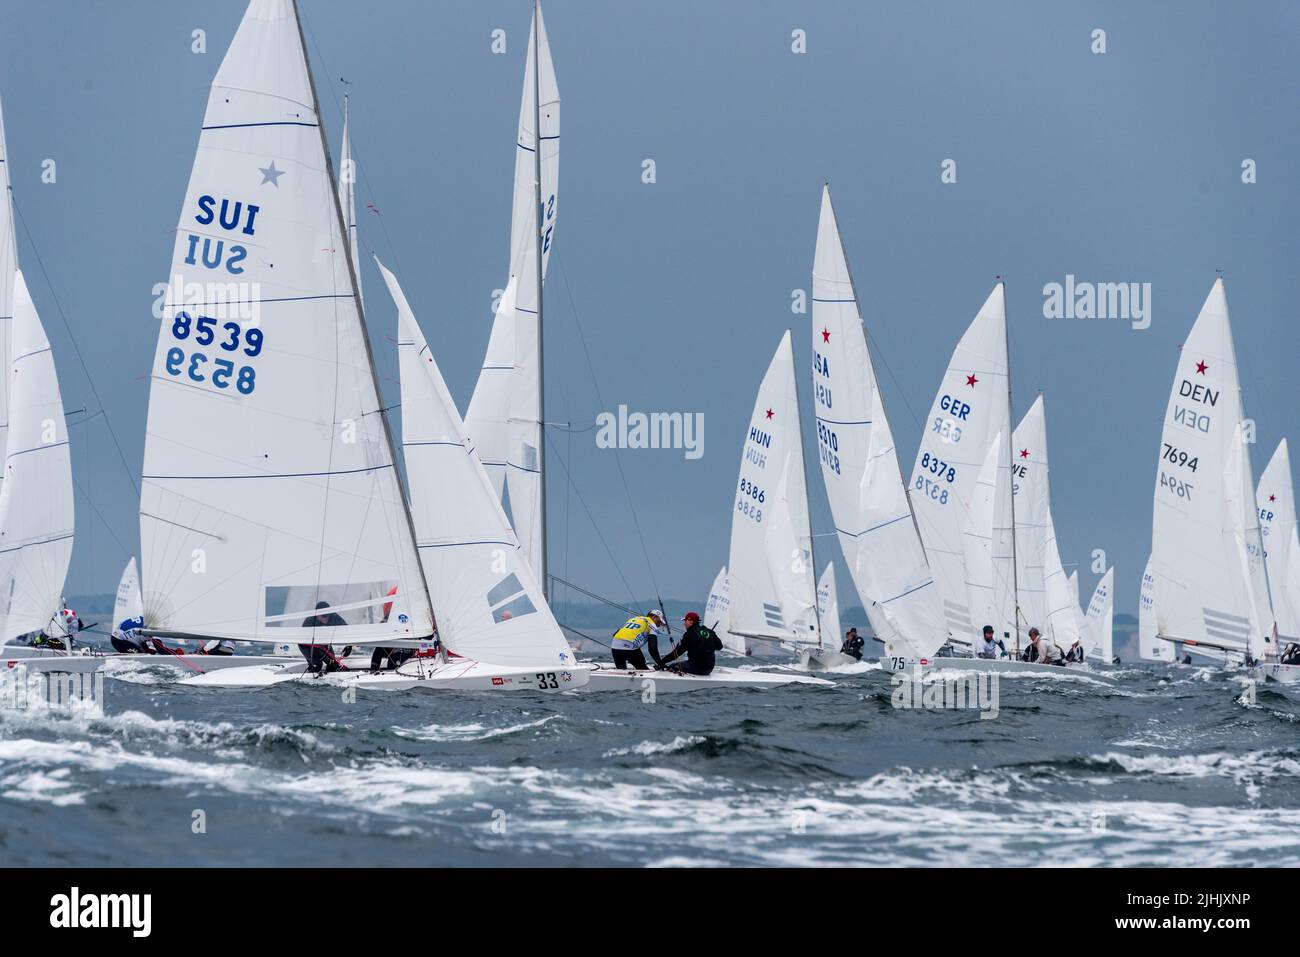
[(230, 338)]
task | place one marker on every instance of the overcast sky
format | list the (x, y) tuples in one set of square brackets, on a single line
[(1117, 167)]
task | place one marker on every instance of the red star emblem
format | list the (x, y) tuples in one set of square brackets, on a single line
[(1024, 453), (1272, 498), (971, 380), (826, 335), (1201, 367), (769, 413)]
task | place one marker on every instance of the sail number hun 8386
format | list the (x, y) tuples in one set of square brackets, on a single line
[(229, 339), (750, 500)]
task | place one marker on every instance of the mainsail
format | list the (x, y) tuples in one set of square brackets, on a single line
[(1150, 647), (1063, 616), (828, 609), (1032, 489), (348, 196), (487, 602), (269, 475), (773, 593), (969, 409), (1277, 515), (8, 269), (504, 414), (1099, 621), (859, 464), (1200, 530), (36, 504), (128, 603), (717, 615)]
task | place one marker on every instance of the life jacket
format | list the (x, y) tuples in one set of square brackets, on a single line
[(634, 633)]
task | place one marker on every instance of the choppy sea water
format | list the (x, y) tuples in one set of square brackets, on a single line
[(1164, 766)]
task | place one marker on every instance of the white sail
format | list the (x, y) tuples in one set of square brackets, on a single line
[(859, 464), (969, 408), (487, 603), (1063, 616), (828, 609), (1277, 516), (36, 504), (1032, 489), (8, 269), (1150, 647), (1202, 593), (1073, 583), (770, 566), (504, 411), (1239, 486), (268, 467), (348, 196), (1099, 621), (717, 615), (978, 534), (128, 603)]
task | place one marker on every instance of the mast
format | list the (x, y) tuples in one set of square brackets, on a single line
[(880, 393), (1011, 459), (812, 549), (541, 336), (356, 297)]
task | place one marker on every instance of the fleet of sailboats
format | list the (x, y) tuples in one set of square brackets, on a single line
[(272, 511)]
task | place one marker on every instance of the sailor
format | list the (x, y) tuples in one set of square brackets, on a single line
[(988, 646), (320, 657), (852, 644), (636, 633), (1187, 658), (389, 657), (127, 639), (699, 644), (1039, 650), (1075, 655), (1291, 656), (218, 646)]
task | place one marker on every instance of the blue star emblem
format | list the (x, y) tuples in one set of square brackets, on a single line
[(270, 175)]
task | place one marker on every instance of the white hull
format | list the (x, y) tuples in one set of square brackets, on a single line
[(41, 659), (825, 660), (608, 678), (1273, 671), (997, 665), (27, 654), (420, 675)]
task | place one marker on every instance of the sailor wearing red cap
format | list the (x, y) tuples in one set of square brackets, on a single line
[(699, 644)]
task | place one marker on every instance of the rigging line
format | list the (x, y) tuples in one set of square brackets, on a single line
[(583, 502), (90, 380), (584, 635), (359, 170), (636, 523), (591, 594)]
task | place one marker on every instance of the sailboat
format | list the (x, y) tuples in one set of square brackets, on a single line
[(1211, 587), (874, 520), (36, 503), (1277, 516), (717, 615), (507, 409), (772, 595), (1099, 620), (271, 508)]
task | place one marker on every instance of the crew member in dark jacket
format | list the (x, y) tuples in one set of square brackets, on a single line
[(699, 645), (320, 657), (853, 644)]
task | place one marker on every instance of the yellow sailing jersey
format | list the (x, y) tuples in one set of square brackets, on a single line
[(634, 633)]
